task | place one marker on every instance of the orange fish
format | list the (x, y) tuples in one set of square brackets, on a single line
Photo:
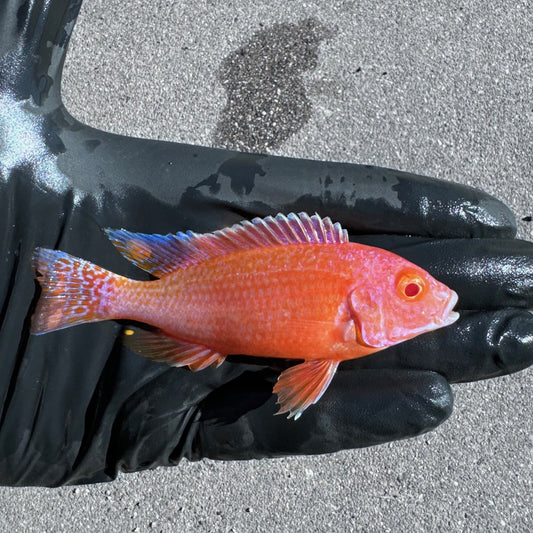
[(291, 286)]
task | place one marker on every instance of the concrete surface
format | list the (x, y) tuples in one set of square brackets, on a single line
[(439, 88)]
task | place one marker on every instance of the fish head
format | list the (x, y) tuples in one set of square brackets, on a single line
[(396, 300)]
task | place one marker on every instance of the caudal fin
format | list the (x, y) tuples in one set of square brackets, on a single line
[(74, 291)]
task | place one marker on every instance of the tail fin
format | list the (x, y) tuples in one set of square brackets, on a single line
[(74, 291)]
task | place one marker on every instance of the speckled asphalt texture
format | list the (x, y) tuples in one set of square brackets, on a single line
[(438, 88)]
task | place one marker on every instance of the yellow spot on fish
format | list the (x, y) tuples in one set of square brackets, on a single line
[(129, 332)]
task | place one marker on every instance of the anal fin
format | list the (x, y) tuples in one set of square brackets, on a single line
[(302, 385), (160, 347)]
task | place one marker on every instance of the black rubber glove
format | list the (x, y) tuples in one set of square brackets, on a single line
[(77, 407)]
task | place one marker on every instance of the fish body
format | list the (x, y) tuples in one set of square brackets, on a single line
[(253, 303), (291, 287)]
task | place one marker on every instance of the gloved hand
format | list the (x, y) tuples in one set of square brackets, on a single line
[(78, 407)]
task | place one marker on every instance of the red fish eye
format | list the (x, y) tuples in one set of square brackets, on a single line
[(412, 289), (410, 286)]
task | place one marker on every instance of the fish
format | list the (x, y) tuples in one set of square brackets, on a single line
[(286, 286)]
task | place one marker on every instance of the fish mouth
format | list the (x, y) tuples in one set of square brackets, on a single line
[(449, 316)]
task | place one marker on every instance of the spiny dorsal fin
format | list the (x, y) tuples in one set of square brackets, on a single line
[(163, 254)]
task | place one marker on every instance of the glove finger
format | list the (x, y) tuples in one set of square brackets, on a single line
[(359, 409), (479, 345), (486, 273), (190, 187), (364, 199)]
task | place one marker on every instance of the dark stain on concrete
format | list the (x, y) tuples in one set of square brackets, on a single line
[(267, 101)]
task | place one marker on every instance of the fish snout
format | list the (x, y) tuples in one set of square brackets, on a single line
[(449, 316)]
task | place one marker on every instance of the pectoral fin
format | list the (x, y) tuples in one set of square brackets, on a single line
[(303, 385), (160, 347)]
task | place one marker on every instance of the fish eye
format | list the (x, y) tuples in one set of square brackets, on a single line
[(410, 287)]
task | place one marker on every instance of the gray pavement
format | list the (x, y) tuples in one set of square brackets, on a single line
[(439, 88)]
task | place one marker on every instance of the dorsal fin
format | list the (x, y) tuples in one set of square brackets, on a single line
[(163, 254)]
